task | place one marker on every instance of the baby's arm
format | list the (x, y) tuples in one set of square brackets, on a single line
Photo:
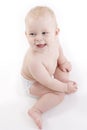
[(41, 75), (63, 63)]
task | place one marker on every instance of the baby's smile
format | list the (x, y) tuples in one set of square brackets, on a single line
[(41, 45)]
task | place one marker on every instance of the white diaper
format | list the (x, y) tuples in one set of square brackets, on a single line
[(26, 85)]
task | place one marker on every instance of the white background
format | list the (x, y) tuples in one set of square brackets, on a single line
[(72, 20)]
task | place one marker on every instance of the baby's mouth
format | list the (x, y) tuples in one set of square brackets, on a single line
[(41, 45)]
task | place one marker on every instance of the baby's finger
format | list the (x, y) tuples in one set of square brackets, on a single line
[(68, 70), (63, 69), (75, 84)]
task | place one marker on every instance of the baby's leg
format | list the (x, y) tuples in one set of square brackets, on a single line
[(48, 99), (62, 76), (38, 90)]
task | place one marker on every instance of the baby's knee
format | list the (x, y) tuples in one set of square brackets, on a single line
[(60, 95), (60, 75)]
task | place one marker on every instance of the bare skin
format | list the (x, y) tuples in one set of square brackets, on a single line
[(48, 98), (46, 64)]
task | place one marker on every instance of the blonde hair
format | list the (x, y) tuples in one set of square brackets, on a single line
[(39, 11)]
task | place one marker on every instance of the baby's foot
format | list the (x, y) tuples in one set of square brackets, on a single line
[(71, 87), (36, 115)]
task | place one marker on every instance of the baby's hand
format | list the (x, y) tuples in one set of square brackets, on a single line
[(65, 67), (71, 87)]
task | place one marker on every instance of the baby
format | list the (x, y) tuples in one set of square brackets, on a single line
[(45, 65)]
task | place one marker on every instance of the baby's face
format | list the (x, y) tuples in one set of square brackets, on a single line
[(41, 32)]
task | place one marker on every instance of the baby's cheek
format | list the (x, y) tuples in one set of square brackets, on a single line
[(31, 41), (50, 39)]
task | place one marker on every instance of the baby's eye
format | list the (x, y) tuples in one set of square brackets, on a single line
[(32, 34), (44, 33)]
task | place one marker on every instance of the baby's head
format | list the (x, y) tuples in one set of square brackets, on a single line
[(41, 27)]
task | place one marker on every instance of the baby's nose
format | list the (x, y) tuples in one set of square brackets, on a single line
[(38, 39)]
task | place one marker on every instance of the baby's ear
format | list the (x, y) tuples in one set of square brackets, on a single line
[(57, 31)]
